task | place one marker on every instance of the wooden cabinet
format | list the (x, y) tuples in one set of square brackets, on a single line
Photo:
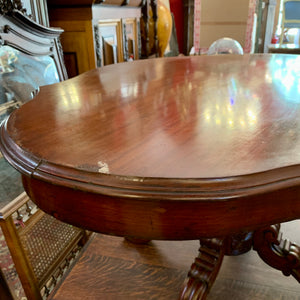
[(97, 33)]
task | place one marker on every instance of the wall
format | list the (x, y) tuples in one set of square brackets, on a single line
[(221, 18)]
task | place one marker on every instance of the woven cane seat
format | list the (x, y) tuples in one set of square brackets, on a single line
[(47, 241)]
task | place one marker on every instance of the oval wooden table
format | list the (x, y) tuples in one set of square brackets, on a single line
[(181, 148)]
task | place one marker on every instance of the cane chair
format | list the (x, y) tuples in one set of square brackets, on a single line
[(290, 16)]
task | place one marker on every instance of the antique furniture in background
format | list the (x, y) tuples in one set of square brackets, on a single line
[(41, 247), (159, 28), (266, 10), (149, 40), (201, 147), (97, 33), (37, 10), (290, 17), (188, 38)]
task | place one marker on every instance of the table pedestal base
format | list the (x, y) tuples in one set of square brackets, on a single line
[(276, 252)]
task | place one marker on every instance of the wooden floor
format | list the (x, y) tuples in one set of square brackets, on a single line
[(112, 268)]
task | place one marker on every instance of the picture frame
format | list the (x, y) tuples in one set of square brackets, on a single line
[(109, 43), (132, 38)]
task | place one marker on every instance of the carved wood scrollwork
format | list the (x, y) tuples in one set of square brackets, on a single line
[(8, 6), (97, 46), (277, 252), (139, 39), (204, 270), (145, 30), (125, 41)]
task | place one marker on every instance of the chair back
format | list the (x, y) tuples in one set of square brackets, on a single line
[(290, 16)]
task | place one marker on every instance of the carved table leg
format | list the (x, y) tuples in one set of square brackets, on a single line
[(204, 270), (278, 253)]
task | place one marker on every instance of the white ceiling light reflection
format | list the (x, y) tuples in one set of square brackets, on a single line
[(129, 90), (69, 98), (233, 107), (286, 78)]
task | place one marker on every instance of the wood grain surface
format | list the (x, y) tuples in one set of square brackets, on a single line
[(187, 117), (112, 268)]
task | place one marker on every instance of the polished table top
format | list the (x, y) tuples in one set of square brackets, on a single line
[(171, 148)]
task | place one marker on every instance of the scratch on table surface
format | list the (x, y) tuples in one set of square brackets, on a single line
[(103, 167)]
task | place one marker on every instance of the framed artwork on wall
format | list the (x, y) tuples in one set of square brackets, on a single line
[(109, 41), (132, 37)]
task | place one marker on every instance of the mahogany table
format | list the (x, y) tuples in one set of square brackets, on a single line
[(204, 147)]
